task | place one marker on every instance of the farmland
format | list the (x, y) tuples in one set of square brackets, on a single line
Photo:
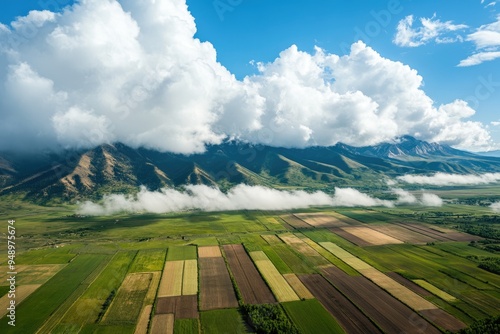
[(328, 270)]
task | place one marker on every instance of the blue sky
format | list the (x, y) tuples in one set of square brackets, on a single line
[(244, 33)]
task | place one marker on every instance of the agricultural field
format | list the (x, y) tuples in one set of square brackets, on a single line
[(324, 270)]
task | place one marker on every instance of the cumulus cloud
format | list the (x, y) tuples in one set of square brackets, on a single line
[(495, 207), (431, 29), (487, 41), (426, 199), (132, 72), (444, 179), (241, 197)]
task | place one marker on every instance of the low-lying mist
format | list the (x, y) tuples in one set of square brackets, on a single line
[(444, 179), (241, 197)]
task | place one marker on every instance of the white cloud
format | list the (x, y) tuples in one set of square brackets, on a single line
[(352, 197), (426, 199), (487, 41), (443, 179), (241, 197), (431, 29), (431, 200), (495, 207), (135, 71), (495, 123)]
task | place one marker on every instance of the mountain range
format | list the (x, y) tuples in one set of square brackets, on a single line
[(111, 168)]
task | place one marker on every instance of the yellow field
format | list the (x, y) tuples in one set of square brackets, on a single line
[(435, 290), (142, 324), (190, 278), (153, 287), (298, 244), (163, 324), (345, 256), (280, 287), (209, 251), (171, 280), (22, 292), (397, 290), (298, 286), (371, 236), (31, 274)]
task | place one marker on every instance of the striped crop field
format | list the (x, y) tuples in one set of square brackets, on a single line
[(171, 280), (280, 287), (399, 291)]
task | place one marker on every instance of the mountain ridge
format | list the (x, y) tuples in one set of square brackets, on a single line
[(92, 173)]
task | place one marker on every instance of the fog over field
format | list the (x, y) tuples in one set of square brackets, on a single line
[(242, 197), (444, 179)]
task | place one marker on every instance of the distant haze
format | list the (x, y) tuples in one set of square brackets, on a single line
[(132, 72), (241, 197)]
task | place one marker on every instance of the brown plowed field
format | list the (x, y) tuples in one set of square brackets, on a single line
[(215, 285), (163, 324), (349, 237), (409, 284), (184, 307), (348, 315), (295, 222), (320, 220), (443, 319), (402, 233), (252, 287), (455, 235), (388, 312)]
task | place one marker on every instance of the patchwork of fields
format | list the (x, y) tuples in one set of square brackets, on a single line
[(351, 271)]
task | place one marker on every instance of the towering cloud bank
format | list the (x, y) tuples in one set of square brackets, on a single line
[(131, 71)]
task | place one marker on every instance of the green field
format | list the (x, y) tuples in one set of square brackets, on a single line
[(39, 305), (311, 317), (148, 260), (96, 256), (222, 321), (186, 326), (177, 253)]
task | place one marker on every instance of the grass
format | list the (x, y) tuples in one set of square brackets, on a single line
[(45, 300), (222, 321), (127, 305), (311, 317), (148, 260), (177, 253), (87, 308), (186, 326)]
